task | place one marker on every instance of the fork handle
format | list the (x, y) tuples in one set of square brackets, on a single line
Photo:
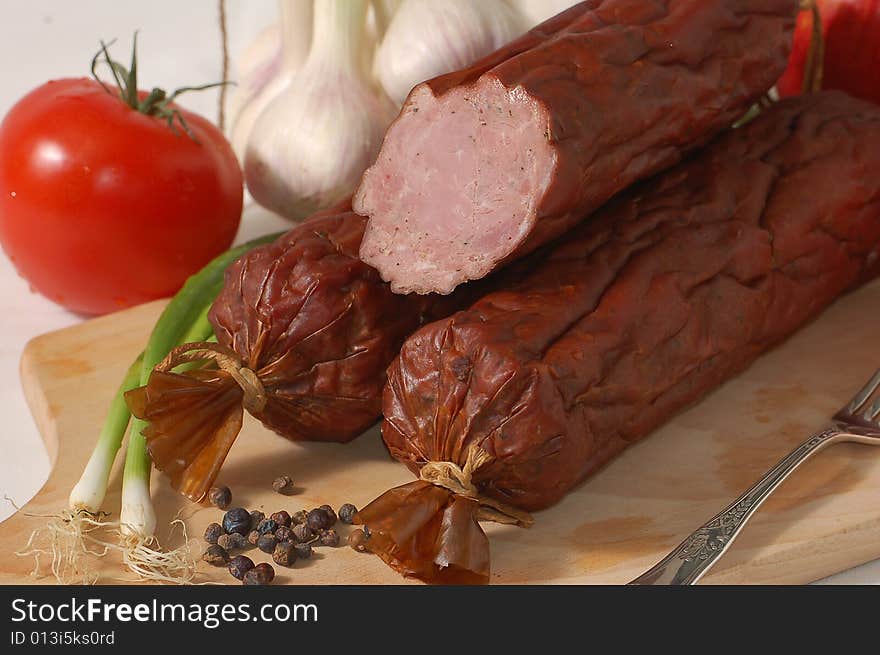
[(698, 552)]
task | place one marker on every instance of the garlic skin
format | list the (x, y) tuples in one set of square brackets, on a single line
[(382, 11), (310, 146), (258, 65), (427, 38), (267, 67), (535, 12), (379, 14)]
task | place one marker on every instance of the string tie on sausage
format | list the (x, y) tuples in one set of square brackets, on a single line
[(254, 393), (459, 480)]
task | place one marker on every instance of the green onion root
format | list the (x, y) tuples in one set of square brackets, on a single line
[(73, 535)]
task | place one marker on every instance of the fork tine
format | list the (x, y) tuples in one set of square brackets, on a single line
[(872, 411), (866, 392)]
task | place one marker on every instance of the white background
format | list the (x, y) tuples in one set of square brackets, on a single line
[(179, 44)]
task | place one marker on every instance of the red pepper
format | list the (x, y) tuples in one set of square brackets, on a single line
[(851, 62)]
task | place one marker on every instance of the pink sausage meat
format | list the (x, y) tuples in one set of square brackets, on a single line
[(486, 164)]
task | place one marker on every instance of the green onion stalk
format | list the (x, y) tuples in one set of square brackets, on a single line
[(183, 320), (88, 494)]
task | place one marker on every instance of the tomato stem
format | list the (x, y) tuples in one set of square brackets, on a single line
[(815, 64), (157, 102)]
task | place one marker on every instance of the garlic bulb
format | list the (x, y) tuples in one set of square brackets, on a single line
[(310, 146), (383, 11), (379, 14), (257, 66), (266, 68), (427, 38), (534, 12)]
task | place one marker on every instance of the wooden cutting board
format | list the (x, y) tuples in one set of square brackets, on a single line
[(823, 520)]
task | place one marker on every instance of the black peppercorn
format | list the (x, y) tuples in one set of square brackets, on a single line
[(216, 555), (240, 565), (284, 554), (213, 532), (266, 526), (269, 571), (330, 514), (347, 512), (253, 537), (282, 484), (232, 541), (303, 533), (319, 519), (259, 575), (267, 542), (237, 520), (256, 517), (303, 551), (220, 497), (329, 538), (300, 517), (284, 534), (281, 518), (358, 540)]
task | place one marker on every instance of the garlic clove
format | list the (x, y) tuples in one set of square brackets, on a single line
[(266, 68), (242, 124), (381, 13), (535, 12), (309, 147), (258, 67), (427, 38)]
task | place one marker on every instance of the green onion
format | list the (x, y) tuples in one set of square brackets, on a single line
[(88, 493), (174, 327), (183, 320), (137, 516)]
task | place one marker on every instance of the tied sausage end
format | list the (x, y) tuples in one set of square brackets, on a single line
[(427, 532), (193, 420), (430, 529)]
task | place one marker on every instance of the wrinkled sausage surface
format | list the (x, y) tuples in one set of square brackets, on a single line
[(671, 289), (488, 163), (316, 326)]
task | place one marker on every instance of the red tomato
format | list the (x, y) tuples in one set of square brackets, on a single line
[(103, 207), (852, 49)]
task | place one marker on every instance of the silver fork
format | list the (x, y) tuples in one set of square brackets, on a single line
[(694, 556)]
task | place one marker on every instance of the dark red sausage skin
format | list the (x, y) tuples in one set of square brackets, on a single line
[(316, 325), (673, 288), (486, 164)]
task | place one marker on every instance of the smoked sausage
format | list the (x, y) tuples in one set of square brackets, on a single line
[(305, 331), (486, 164), (671, 289)]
